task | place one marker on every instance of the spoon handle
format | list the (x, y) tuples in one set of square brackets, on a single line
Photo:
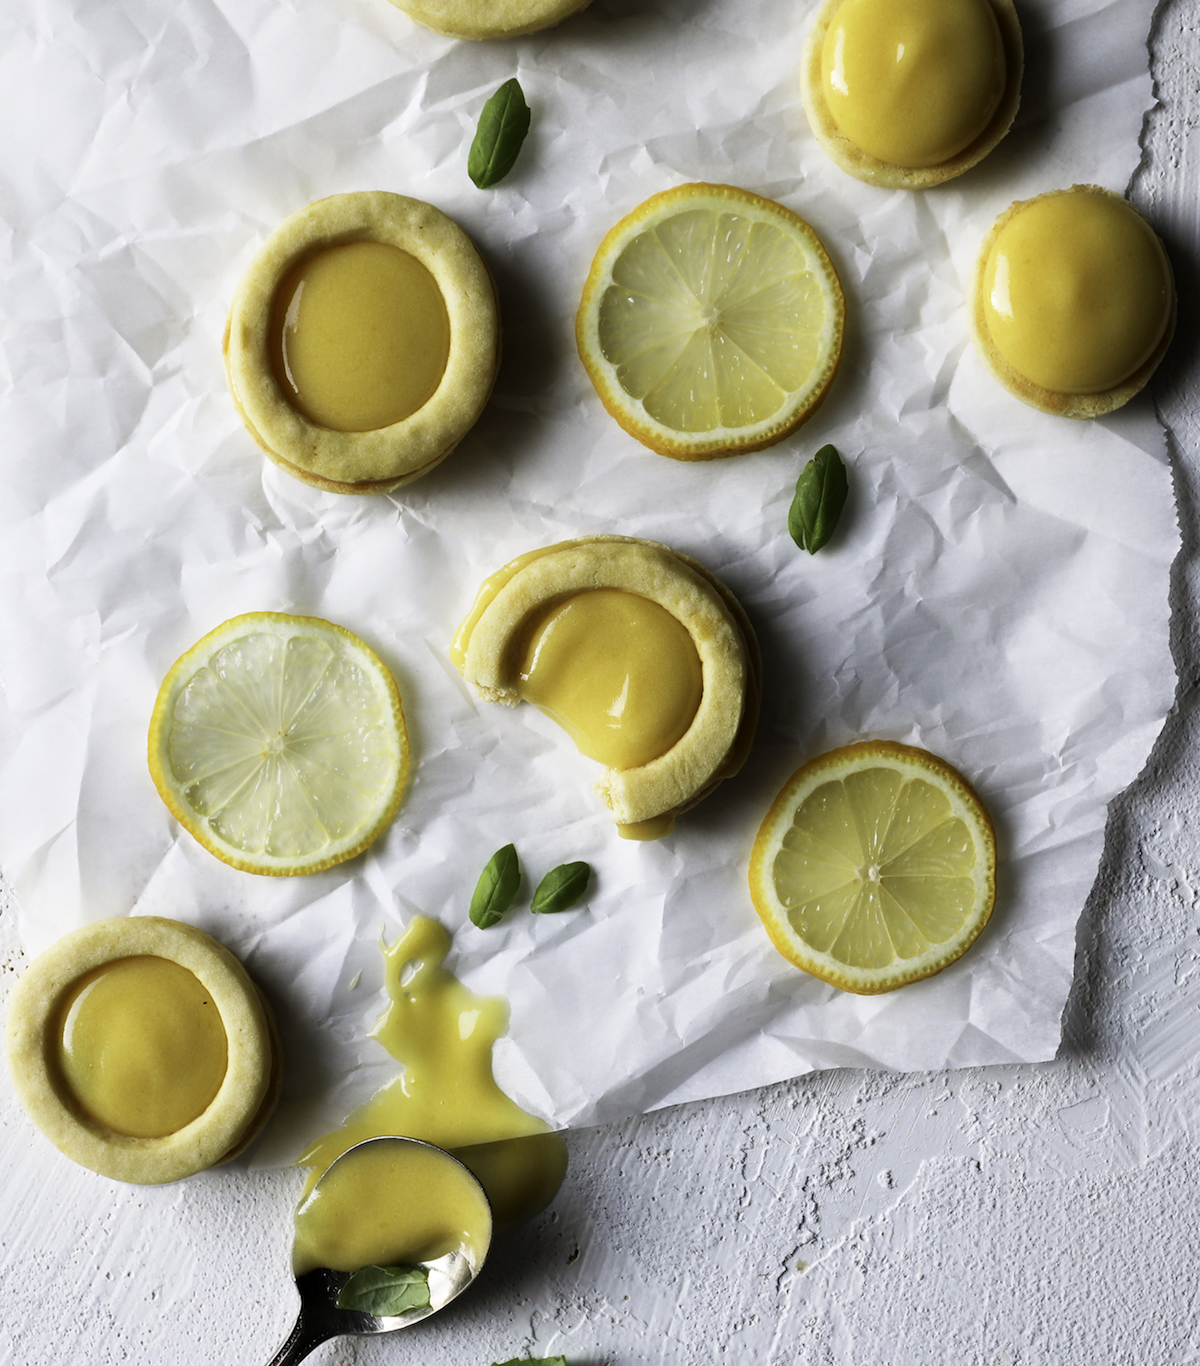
[(306, 1335)]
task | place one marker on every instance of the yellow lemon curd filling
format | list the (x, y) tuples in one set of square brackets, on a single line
[(140, 1047), (391, 1205), (913, 82), (359, 336), (1076, 292), (442, 1034), (618, 672)]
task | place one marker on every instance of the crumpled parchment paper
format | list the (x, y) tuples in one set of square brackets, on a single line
[(997, 591)]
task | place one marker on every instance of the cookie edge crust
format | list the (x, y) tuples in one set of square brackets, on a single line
[(854, 161), (718, 740), (473, 20), (247, 1093), (651, 433), (1078, 406), (389, 457)]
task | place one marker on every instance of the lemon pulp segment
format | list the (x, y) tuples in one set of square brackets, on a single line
[(875, 867), (443, 1035), (279, 743), (359, 336), (618, 672), (711, 322), (913, 82), (140, 1046), (1077, 292), (391, 1205)]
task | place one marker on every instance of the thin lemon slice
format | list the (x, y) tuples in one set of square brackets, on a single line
[(875, 867), (279, 743), (711, 322)]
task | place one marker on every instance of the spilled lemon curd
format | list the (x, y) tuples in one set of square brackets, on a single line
[(359, 336), (618, 672), (446, 1095), (140, 1046), (913, 82), (1076, 291), (391, 1204)]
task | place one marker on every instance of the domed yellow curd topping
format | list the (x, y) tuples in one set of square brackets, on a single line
[(1076, 291), (359, 337), (913, 82), (618, 672), (391, 1205), (141, 1048)]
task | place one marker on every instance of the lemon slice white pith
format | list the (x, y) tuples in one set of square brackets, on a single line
[(279, 743), (875, 867), (711, 322)]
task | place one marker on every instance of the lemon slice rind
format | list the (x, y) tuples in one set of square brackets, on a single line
[(914, 961), (746, 352), (325, 782)]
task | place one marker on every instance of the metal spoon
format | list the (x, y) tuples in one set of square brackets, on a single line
[(320, 1319)]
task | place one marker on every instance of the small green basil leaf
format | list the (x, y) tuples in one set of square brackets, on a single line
[(502, 128), (820, 496), (386, 1291), (533, 1361), (496, 887), (561, 888)]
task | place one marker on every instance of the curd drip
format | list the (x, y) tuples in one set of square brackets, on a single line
[(913, 82), (1076, 292), (359, 336), (618, 672), (141, 1048), (443, 1035), (391, 1204)]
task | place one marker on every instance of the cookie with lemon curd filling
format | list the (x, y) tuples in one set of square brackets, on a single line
[(643, 657), (1073, 301), (905, 94), (142, 1050), (363, 342), (488, 18)]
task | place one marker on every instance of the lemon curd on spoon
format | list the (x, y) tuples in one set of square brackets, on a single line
[(1074, 303), (443, 1035), (391, 1204)]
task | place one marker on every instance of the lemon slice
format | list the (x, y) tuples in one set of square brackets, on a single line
[(279, 743), (711, 322), (875, 867)]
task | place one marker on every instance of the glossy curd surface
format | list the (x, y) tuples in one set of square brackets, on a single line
[(443, 1034), (1076, 291), (359, 336), (913, 82), (618, 672), (140, 1047)]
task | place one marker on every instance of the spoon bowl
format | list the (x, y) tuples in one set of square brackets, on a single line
[(320, 1318)]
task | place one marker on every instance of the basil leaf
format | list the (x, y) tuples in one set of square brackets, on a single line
[(820, 496), (502, 128), (496, 888), (532, 1361), (561, 888), (386, 1291)]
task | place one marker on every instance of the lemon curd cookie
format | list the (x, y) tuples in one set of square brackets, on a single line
[(905, 94), (644, 658), (142, 1050), (1073, 301), (488, 18), (363, 341)]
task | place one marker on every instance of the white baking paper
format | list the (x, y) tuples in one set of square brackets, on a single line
[(997, 593)]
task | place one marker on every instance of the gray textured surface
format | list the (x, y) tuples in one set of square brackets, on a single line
[(1001, 1216)]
